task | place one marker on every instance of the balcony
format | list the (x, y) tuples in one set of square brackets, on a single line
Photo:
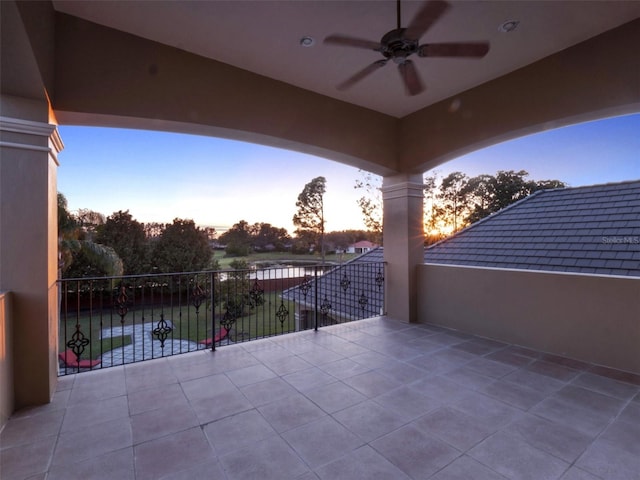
[(373, 398)]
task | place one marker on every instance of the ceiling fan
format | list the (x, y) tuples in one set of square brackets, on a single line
[(399, 44)]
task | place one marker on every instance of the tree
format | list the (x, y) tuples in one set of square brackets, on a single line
[(237, 239), (370, 203), (510, 186), (153, 230), (67, 234), (549, 184), (182, 247), (267, 237), (90, 221), (211, 233), (452, 200), (430, 218), (480, 192), (79, 256), (127, 237), (488, 194), (309, 219)]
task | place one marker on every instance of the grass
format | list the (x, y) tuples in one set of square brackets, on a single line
[(91, 329), (281, 257)]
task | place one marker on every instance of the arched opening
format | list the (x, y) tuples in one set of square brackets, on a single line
[(78, 67), (588, 153)]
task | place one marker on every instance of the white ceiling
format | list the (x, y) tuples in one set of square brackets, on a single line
[(264, 37)]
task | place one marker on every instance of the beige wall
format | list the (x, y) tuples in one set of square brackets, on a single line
[(28, 245), (6, 359), (591, 318)]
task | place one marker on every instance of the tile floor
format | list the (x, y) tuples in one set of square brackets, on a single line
[(374, 399)]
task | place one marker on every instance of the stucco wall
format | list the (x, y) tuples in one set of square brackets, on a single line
[(6, 360), (29, 243), (591, 318)]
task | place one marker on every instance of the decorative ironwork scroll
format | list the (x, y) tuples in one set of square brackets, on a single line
[(78, 342), (256, 294), (380, 279), (345, 282), (121, 302), (325, 307), (305, 286), (363, 301), (228, 320), (282, 313), (197, 297), (162, 330)]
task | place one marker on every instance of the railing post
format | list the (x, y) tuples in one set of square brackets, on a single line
[(212, 286), (315, 281)]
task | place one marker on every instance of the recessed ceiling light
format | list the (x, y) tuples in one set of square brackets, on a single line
[(307, 41), (509, 26)]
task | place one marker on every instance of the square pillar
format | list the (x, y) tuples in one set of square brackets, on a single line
[(403, 197), (29, 245)]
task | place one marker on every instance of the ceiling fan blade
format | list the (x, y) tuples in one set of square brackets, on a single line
[(351, 81), (352, 42), (428, 14), (411, 78), (459, 49)]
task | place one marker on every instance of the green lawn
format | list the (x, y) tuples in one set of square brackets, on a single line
[(281, 257)]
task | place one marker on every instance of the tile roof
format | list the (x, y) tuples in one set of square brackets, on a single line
[(593, 229), (363, 244), (353, 290)]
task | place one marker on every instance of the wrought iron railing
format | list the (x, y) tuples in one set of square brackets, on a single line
[(108, 321)]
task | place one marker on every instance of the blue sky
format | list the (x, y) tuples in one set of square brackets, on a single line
[(216, 182)]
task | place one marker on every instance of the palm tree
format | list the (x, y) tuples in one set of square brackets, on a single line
[(72, 242)]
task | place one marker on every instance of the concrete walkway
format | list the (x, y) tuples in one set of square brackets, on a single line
[(144, 345)]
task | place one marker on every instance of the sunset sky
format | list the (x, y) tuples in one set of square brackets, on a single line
[(217, 182)]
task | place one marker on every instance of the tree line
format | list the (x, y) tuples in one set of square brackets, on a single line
[(91, 244), (242, 239), (455, 201)]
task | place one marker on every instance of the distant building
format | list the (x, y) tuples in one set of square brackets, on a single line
[(362, 246)]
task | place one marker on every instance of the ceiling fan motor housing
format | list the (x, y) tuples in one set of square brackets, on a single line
[(396, 46)]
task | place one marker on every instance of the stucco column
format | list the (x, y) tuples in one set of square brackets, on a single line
[(28, 244), (403, 243)]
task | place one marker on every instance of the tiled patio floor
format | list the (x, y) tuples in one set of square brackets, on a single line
[(374, 399)]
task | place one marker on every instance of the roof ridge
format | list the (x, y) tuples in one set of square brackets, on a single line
[(367, 253), (608, 184)]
